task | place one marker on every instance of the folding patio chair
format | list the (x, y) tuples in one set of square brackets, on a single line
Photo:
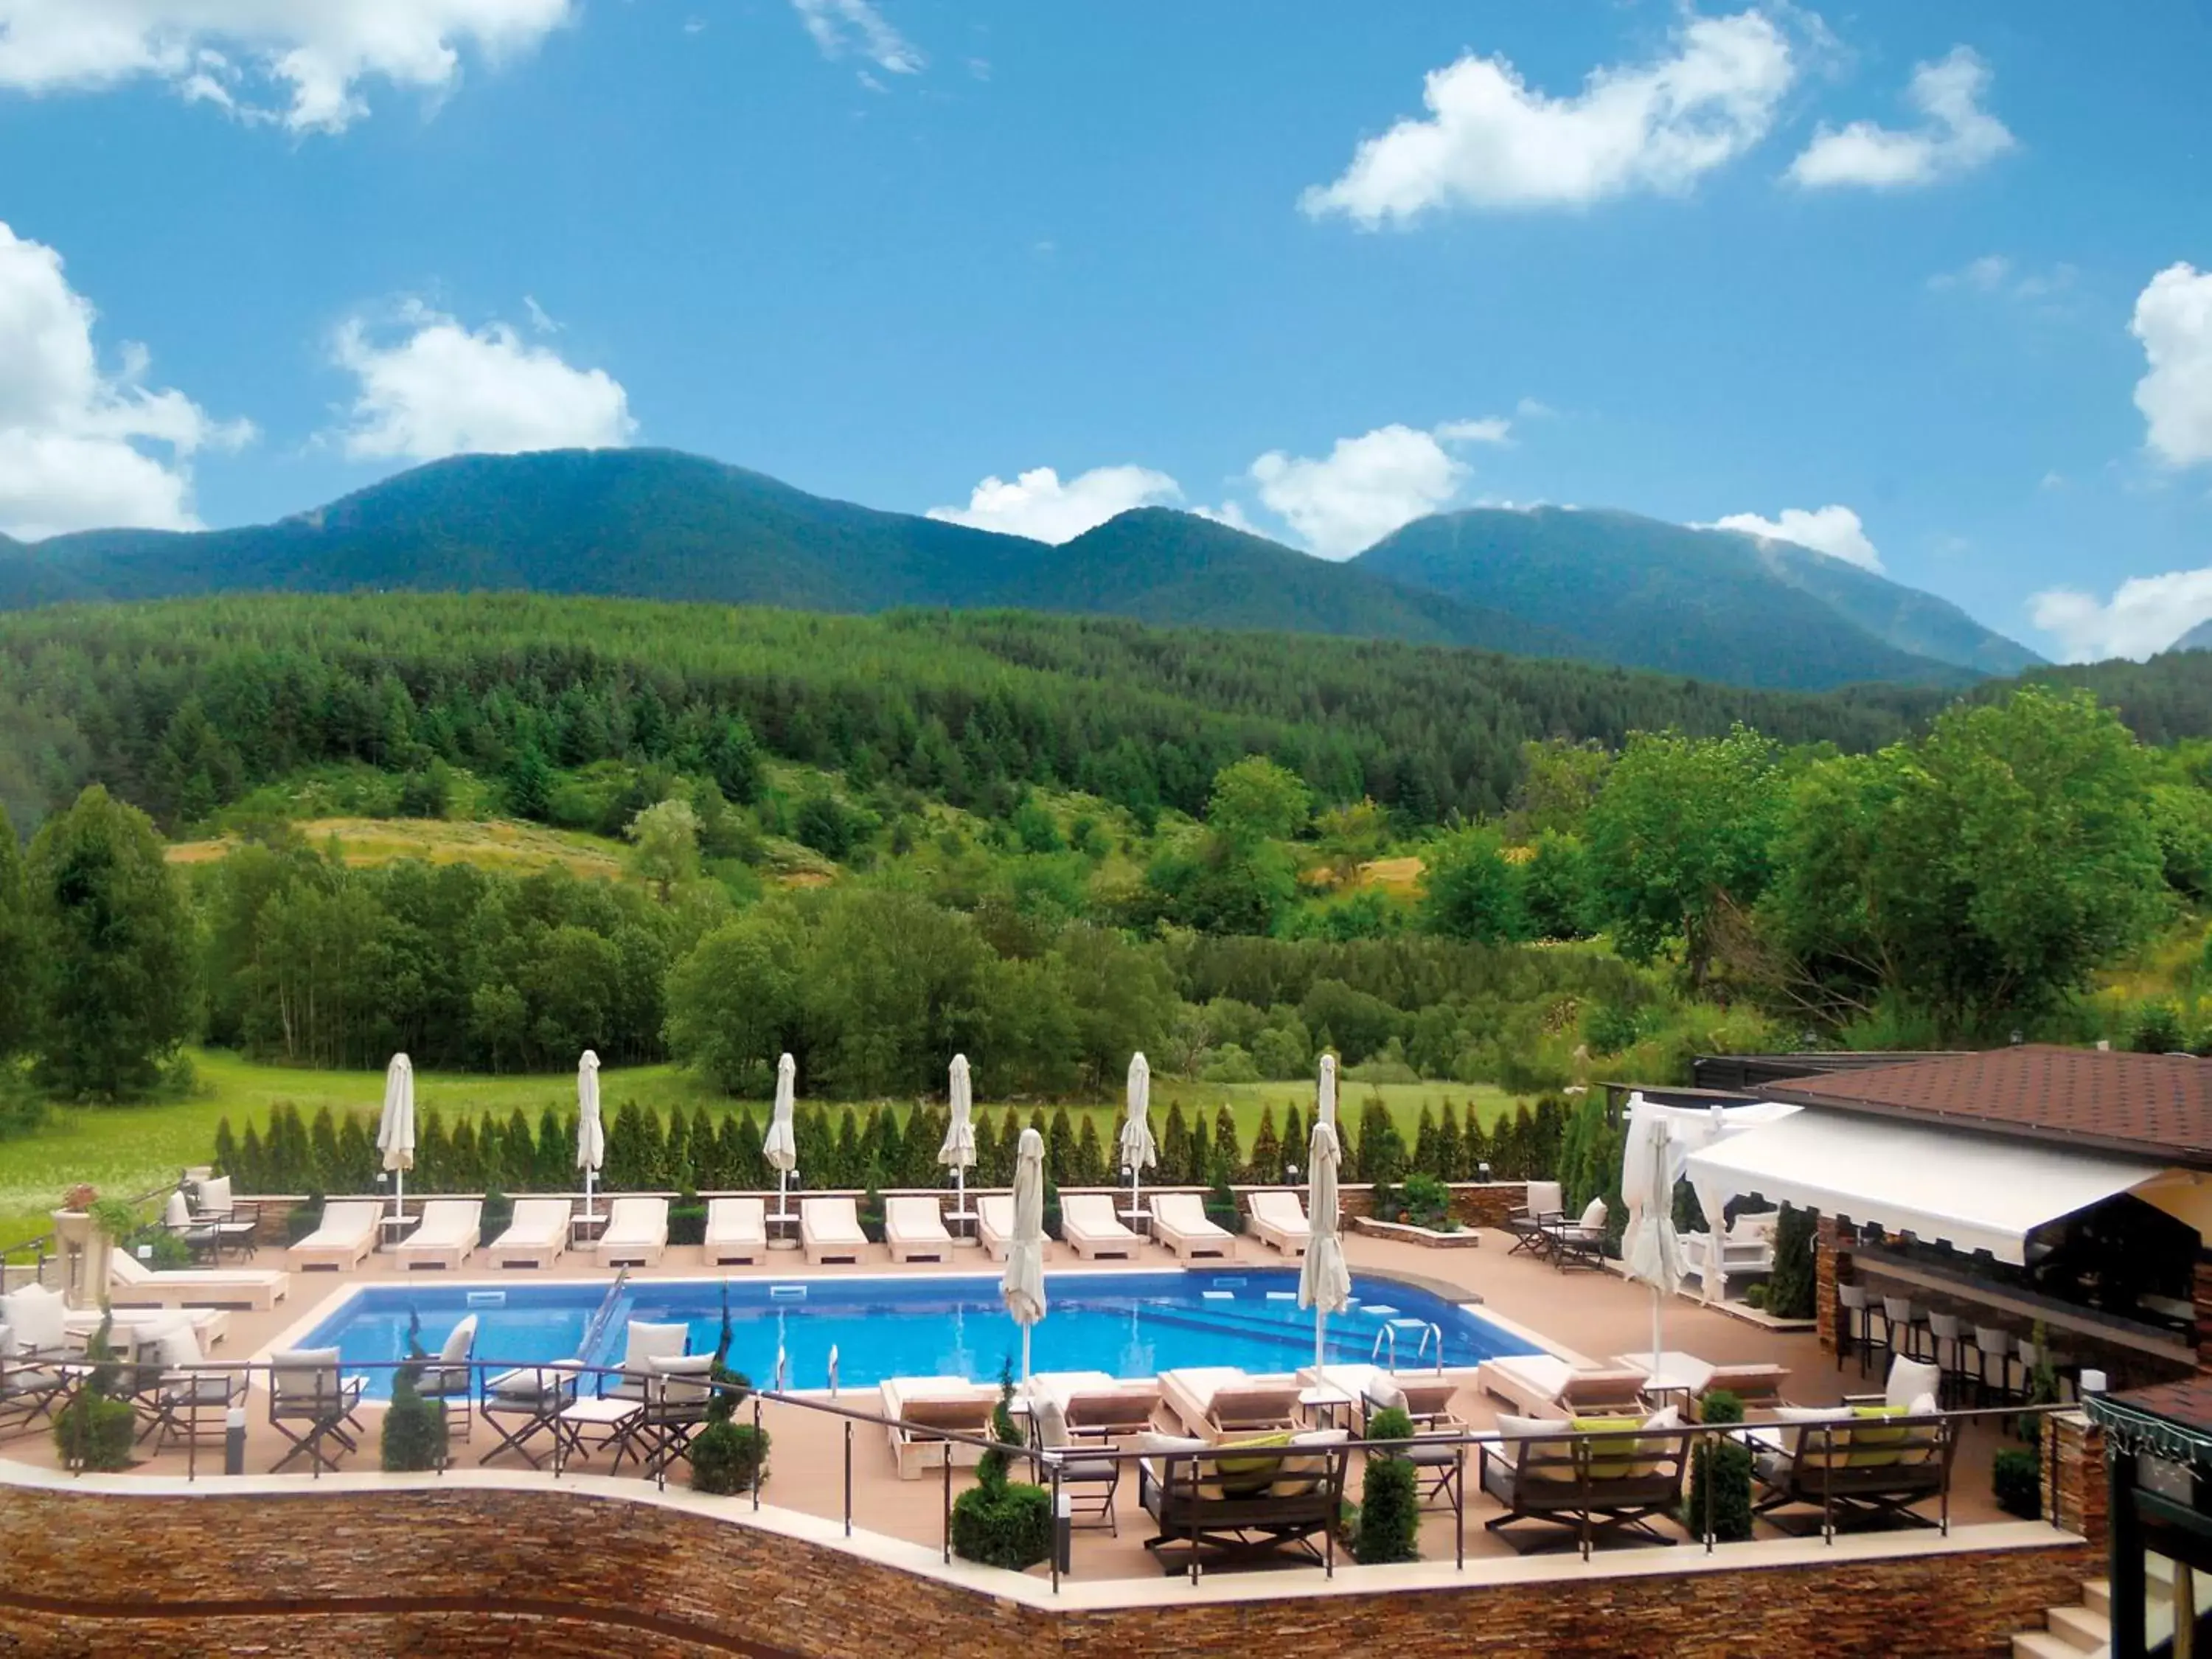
[(519, 1405), (312, 1405)]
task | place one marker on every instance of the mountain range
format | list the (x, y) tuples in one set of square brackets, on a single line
[(1599, 586)]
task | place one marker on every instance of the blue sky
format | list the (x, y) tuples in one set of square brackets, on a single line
[(1918, 284)]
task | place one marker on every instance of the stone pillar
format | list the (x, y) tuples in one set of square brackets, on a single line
[(2076, 1486), (84, 1250), (1832, 1265)]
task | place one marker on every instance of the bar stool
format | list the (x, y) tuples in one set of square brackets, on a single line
[(1902, 1325), (1854, 1325), (2064, 1387), (1948, 1333), (1993, 1346)]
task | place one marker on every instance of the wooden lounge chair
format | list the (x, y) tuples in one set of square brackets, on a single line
[(994, 1223), (914, 1406), (1593, 1486), (1544, 1385), (1097, 1405), (311, 1404), (342, 1240), (132, 1283), (1278, 1219), (537, 1235), (736, 1231), (829, 1231), (1214, 1505), (1216, 1401), (914, 1227), (1529, 1225), (1092, 1229), (446, 1238), (1179, 1221), (1857, 1468), (637, 1234), (1758, 1386)]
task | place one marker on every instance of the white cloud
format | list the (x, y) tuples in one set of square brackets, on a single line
[(314, 53), (441, 389), (1366, 487), (80, 447), (2145, 614), (1039, 505), (1987, 274), (1231, 514), (840, 26), (1835, 530), (1491, 140), (1957, 136), (2173, 320)]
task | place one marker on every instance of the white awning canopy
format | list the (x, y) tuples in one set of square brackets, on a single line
[(1971, 1191)]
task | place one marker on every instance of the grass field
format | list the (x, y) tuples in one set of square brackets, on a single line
[(125, 1150), (489, 844)]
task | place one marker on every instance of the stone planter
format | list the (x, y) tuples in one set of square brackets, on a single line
[(1466, 1239)]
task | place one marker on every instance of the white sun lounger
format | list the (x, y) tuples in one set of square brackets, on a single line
[(343, 1240), (133, 1285), (446, 1238), (736, 1231), (1215, 1401), (1092, 1229), (994, 1223), (1544, 1385), (829, 1231), (637, 1234), (537, 1235), (1179, 1221), (1429, 1395), (1098, 1407), (1280, 1218), (143, 1325), (914, 1229), (915, 1405)]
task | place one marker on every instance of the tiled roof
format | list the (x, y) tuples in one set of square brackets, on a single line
[(2161, 1104)]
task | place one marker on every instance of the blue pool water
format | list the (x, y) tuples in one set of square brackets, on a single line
[(1128, 1324)]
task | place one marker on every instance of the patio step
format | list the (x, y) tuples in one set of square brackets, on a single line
[(2097, 1596), (2042, 1644), (2086, 1631)]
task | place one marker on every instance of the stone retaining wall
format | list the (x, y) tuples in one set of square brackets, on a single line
[(368, 1567)]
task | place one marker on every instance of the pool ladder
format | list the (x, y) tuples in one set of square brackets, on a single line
[(1437, 1331), (1386, 1340)]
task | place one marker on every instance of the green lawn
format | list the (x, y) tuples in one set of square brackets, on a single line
[(125, 1150)]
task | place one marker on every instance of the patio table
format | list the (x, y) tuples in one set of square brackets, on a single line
[(615, 1421)]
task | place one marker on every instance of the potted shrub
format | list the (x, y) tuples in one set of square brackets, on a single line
[(95, 1429), (727, 1457), (1722, 1468), (998, 1522), (414, 1435), (1390, 1497)]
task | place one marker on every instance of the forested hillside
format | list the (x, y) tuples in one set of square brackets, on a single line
[(183, 706)]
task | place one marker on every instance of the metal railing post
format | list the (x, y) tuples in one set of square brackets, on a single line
[(848, 1477), (1062, 1527), (1459, 1508), (757, 1459), (1706, 1450), (945, 1462)]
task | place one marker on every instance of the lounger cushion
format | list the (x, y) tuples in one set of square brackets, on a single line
[(1153, 1442), (1384, 1394), (177, 1213), (1909, 1379), (1613, 1454), (38, 1317), (1873, 1446), (1242, 1476), (1593, 1215), (1804, 1414), (1531, 1428)]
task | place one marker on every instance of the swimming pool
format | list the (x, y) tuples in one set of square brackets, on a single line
[(1129, 1324)]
